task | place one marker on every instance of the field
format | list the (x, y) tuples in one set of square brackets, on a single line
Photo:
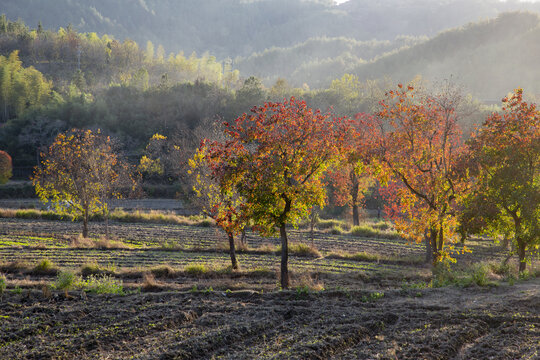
[(358, 297)]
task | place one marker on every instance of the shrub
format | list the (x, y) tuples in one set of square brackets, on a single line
[(163, 271), (5, 167), (65, 280), (3, 284), (480, 274), (336, 230), (104, 284), (149, 282), (45, 267)]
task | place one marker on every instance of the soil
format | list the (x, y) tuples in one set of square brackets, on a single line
[(450, 323), (369, 310)]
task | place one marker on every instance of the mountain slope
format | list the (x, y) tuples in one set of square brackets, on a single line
[(490, 58), (230, 28)]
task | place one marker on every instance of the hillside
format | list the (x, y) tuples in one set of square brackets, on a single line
[(231, 28), (490, 58)]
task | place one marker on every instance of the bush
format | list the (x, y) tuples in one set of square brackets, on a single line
[(104, 284), (65, 280), (163, 271), (45, 267), (5, 167), (336, 230), (3, 284), (480, 274)]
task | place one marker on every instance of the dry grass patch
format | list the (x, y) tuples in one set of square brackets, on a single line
[(305, 282), (81, 242)]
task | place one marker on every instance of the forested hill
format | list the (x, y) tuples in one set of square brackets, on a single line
[(231, 28)]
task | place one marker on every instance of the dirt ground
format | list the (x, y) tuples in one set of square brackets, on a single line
[(450, 323)]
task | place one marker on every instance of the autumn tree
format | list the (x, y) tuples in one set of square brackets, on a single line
[(218, 190), (80, 173), (504, 161), (278, 156), (348, 178), (418, 147), (5, 167)]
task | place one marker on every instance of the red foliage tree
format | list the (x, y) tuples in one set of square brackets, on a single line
[(504, 160), (5, 167), (277, 157)]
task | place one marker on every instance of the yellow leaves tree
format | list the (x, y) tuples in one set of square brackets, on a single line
[(80, 173)]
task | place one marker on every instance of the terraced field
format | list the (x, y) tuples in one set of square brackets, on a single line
[(370, 309)]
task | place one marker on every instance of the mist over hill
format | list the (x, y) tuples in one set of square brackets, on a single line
[(232, 28), (490, 58)]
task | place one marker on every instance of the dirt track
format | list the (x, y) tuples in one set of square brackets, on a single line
[(473, 323)]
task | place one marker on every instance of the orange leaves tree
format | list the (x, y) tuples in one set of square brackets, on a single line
[(80, 173), (348, 179), (276, 158), (5, 167), (504, 160), (417, 147)]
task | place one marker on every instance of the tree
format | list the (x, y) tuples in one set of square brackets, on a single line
[(163, 158), (80, 173), (5, 167), (276, 157), (504, 160), (221, 200), (348, 179), (418, 143)]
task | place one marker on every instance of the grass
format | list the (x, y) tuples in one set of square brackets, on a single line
[(160, 217), (379, 230), (80, 242), (300, 249), (95, 269), (151, 216), (196, 269), (374, 257)]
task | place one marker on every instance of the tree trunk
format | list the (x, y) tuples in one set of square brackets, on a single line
[(85, 223), (284, 257), (441, 239), (521, 254), (107, 225), (243, 237), (232, 252), (427, 240), (354, 195), (311, 229), (355, 215), (434, 250)]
